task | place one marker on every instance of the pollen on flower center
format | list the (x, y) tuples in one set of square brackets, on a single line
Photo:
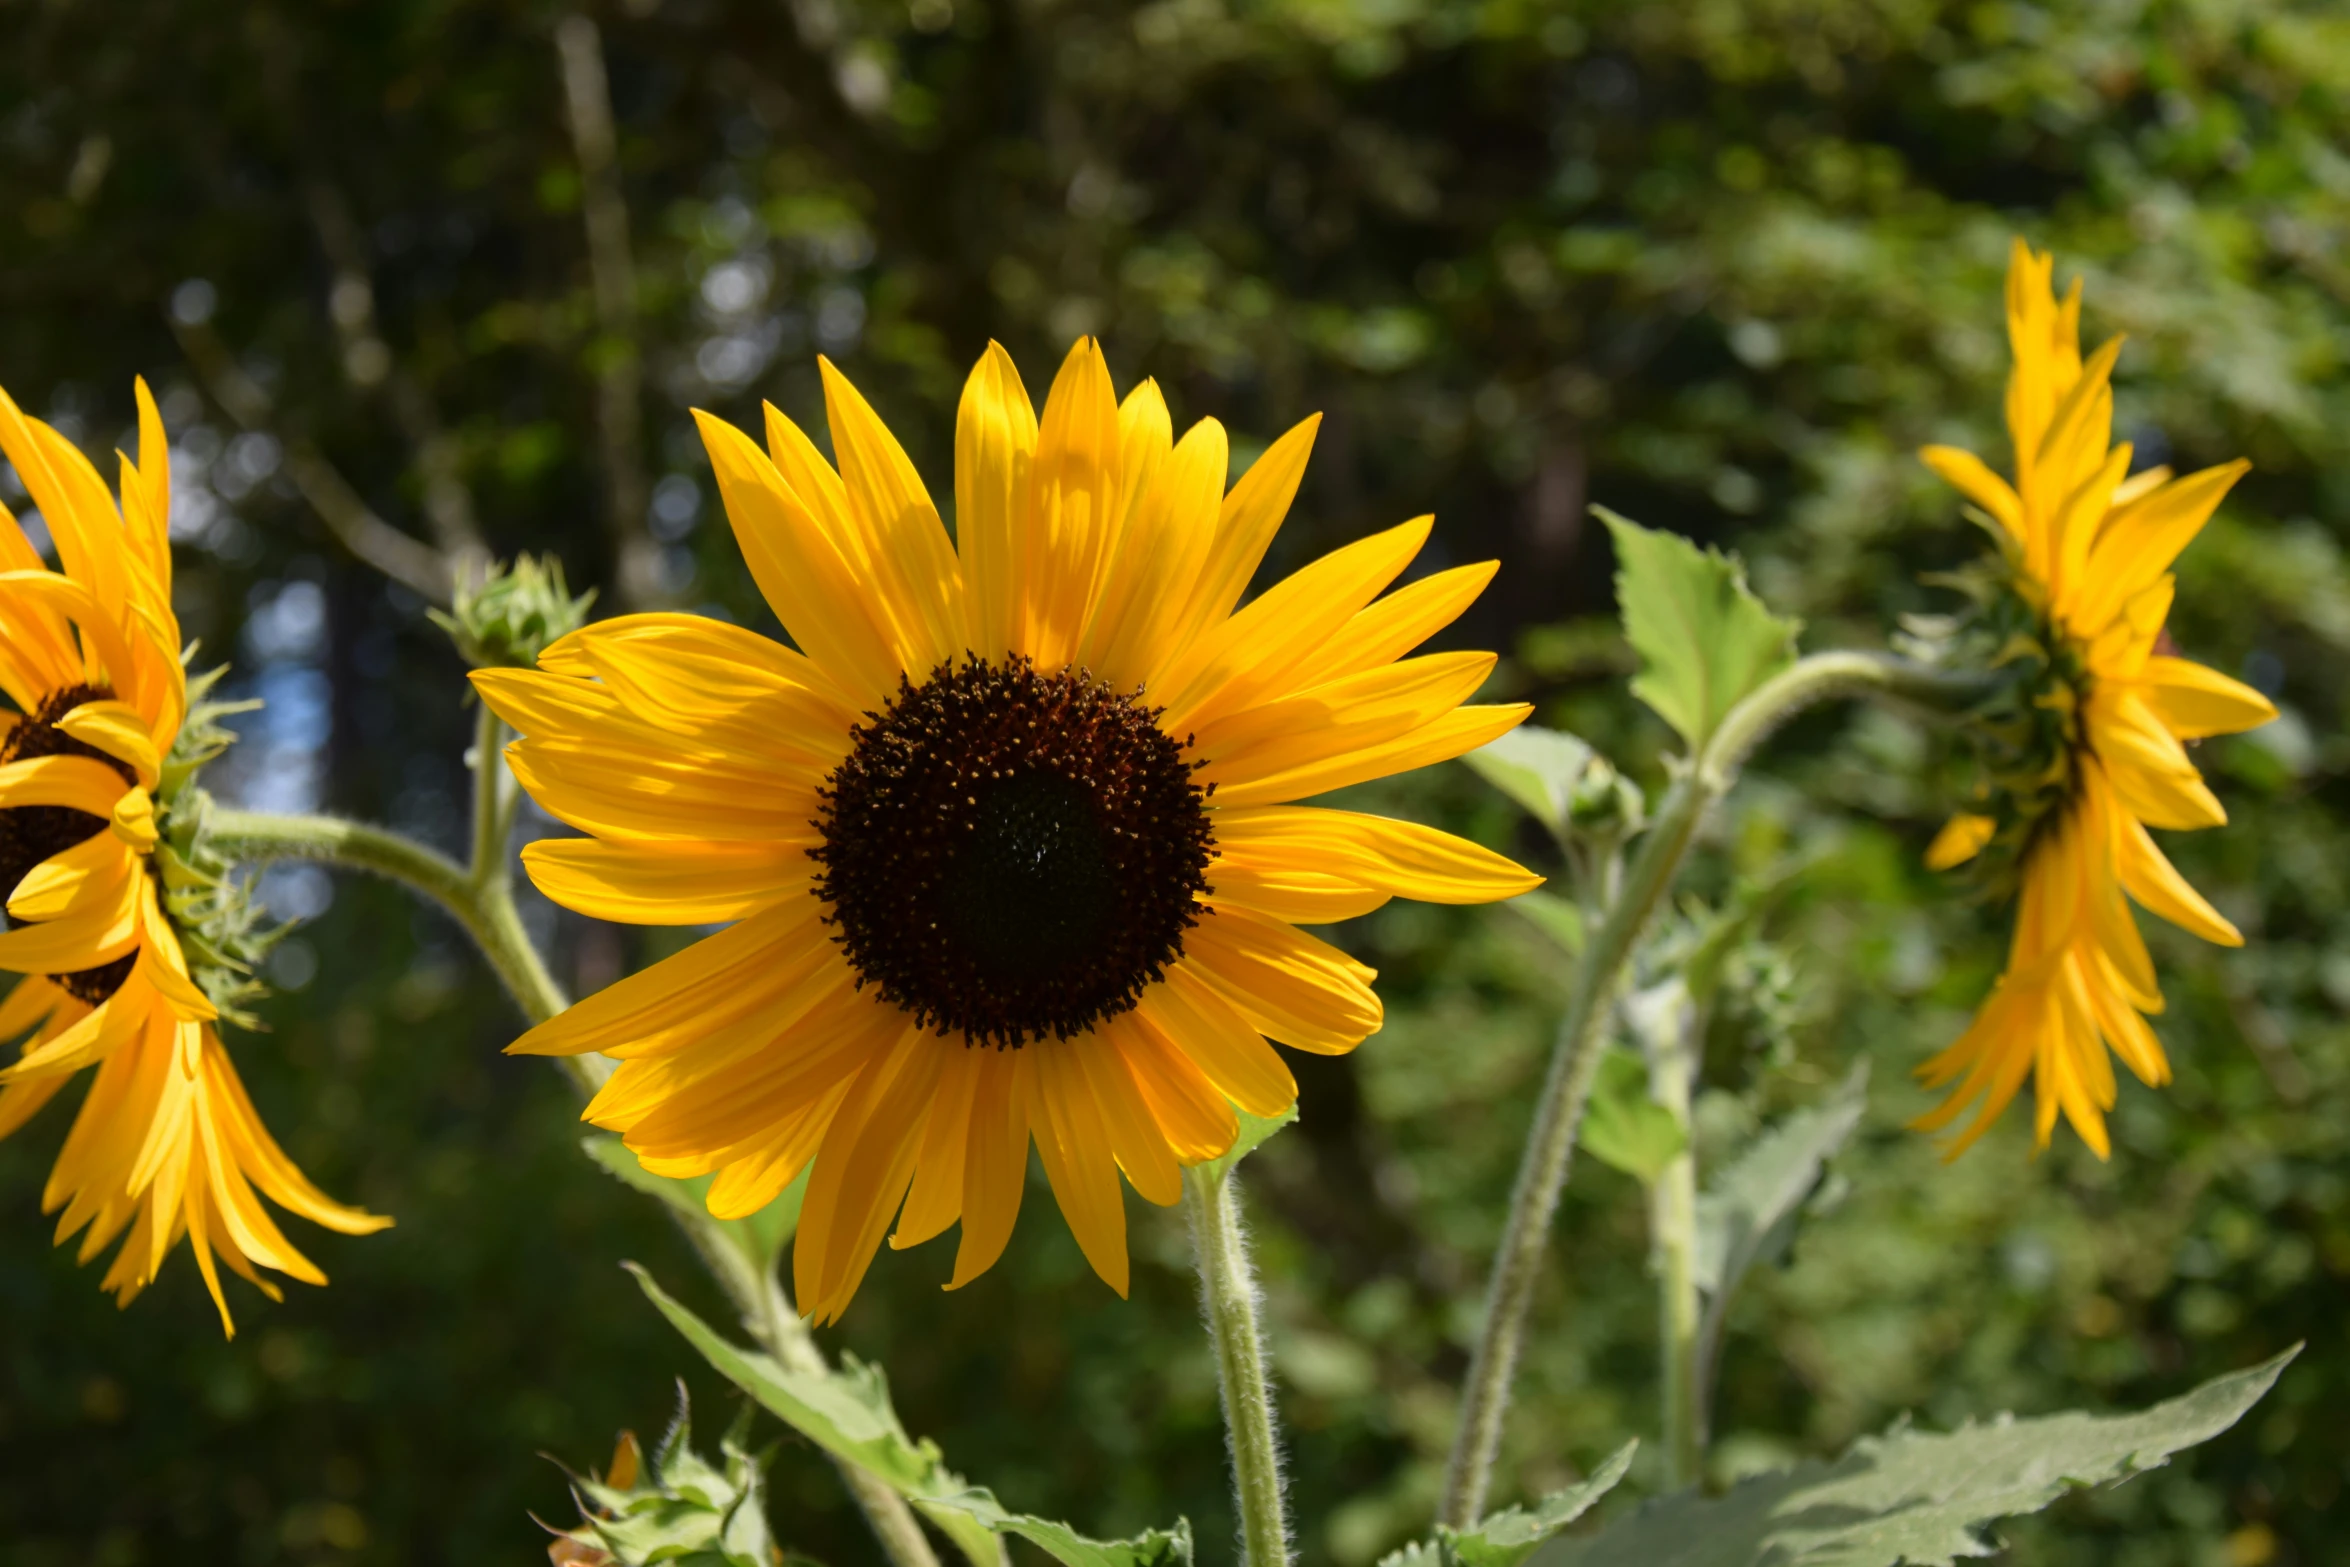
[(30, 834), (1010, 855)]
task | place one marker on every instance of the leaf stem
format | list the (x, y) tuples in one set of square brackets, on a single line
[(1228, 1294), (1558, 1115), (480, 897)]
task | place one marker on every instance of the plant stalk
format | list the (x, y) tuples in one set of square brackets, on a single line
[(1228, 1294), (1558, 1115), (1672, 1228), (480, 897)]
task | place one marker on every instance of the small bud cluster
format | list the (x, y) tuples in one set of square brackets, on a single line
[(513, 614), (678, 1507)]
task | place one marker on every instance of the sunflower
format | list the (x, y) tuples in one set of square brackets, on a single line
[(166, 1142), (1007, 849), (2088, 548)]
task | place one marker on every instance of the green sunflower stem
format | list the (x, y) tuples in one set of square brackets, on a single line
[(1672, 1228), (481, 898), (1582, 1034), (1228, 1293)]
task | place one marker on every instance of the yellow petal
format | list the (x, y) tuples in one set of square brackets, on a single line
[(118, 730), (995, 443), (1189, 1013), (1073, 508), (1971, 477), (800, 569), (1960, 840), (1245, 660), (1302, 992), (861, 1174), (1169, 531), (2194, 701), (1455, 734), (2150, 878), (1392, 627), (1251, 515), (669, 882), (1078, 1160), (915, 563), (1190, 1112), (935, 1200), (1401, 858), (995, 1163)]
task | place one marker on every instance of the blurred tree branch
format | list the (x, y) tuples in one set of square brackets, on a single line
[(399, 556), (616, 356)]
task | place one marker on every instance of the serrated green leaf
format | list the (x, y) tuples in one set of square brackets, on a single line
[(1625, 1128), (848, 1414), (1912, 1497), (1746, 1204), (762, 1236), (1254, 1132), (1747, 1214), (1536, 767), (1552, 915), (1509, 1537), (1152, 1548), (1704, 639)]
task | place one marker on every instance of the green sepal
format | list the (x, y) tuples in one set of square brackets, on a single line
[(1255, 1132)]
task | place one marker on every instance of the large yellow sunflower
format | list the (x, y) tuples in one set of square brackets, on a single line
[(1008, 844), (2089, 549), (166, 1142)]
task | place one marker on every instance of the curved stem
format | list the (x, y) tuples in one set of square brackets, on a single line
[(1228, 1293), (1558, 1115)]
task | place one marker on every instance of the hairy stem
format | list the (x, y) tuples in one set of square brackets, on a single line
[(1672, 1229), (1228, 1294), (1558, 1115)]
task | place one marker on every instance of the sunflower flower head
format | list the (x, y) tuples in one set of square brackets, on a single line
[(1008, 848), (2086, 748), (132, 940)]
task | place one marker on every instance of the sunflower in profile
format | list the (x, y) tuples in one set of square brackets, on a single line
[(166, 1143), (2091, 753), (1008, 849)]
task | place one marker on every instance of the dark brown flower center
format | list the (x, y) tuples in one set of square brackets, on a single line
[(30, 834), (1011, 855)]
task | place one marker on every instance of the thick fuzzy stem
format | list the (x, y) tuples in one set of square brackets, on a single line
[(1228, 1295)]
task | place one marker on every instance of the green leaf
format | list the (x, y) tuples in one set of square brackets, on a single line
[(1254, 1132), (1745, 1208), (762, 1236), (1506, 1538), (1913, 1497), (1625, 1128), (1536, 767), (848, 1414), (1747, 1213), (1704, 639), (1152, 1548), (1554, 916)]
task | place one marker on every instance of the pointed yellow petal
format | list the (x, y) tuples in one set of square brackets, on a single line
[(2194, 701), (995, 444), (1960, 840), (669, 882)]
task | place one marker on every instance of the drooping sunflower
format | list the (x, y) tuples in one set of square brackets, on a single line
[(91, 768), (2096, 754), (1008, 845)]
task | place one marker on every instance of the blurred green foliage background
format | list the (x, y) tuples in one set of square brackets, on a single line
[(1720, 264)]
